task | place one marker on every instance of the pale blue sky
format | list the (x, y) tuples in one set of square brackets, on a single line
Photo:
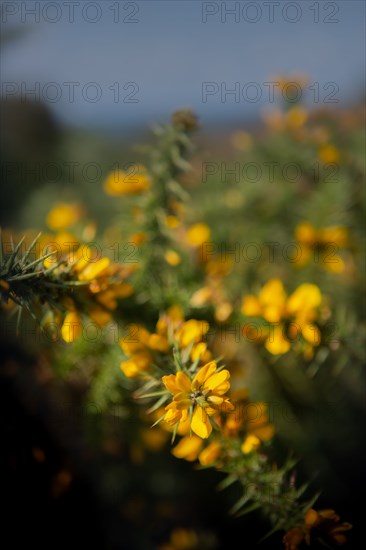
[(170, 52)]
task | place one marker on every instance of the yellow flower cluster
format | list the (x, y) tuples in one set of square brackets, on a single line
[(321, 246), (120, 182), (323, 525), (248, 432), (63, 215), (202, 396), (141, 345), (213, 293), (102, 283), (289, 320)]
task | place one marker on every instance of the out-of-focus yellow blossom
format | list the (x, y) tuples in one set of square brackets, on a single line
[(292, 120), (137, 238), (288, 318), (210, 454), (94, 269), (217, 268), (259, 429), (329, 154), (201, 297), (137, 364), (172, 257), (155, 439), (191, 331), (61, 244), (72, 327), (213, 293), (321, 245), (322, 525), (251, 443), (223, 311), (198, 234), (181, 539), (204, 395), (120, 183), (293, 538), (63, 215), (284, 85), (296, 117), (100, 316), (242, 141), (269, 304), (188, 448), (171, 324), (172, 221)]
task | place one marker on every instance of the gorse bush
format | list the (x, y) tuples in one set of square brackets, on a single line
[(218, 302)]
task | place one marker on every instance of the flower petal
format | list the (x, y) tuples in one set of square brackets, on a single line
[(210, 454), (183, 382), (201, 424), (205, 372), (215, 399), (170, 383), (188, 448), (218, 381)]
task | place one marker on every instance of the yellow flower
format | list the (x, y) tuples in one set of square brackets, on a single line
[(191, 331), (60, 244), (94, 269), (99, 316), (210, 454), (200, 351), (63, 215), (304, 301), (270, 304), (323, 526), (259, 426), (181, 539), (251, 443), (198, 234), (155, 439), (321, 245), (172, 257), (136, 339), (172, 222), (296, 117), (204, 395), (223, 311), (71, 328), (329, 154), (288, 318), (120, 183), (138, 363), (293, 538), (188, 448), (201, 296)]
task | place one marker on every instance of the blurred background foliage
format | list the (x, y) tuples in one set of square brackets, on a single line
[(76, 441)]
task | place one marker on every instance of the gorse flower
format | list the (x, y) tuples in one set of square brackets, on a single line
[(329, 154), (135, 182), (323, 525), (290, 320), (203, 396), (63, 215), (321, 246), (171, 329), (198, 234)]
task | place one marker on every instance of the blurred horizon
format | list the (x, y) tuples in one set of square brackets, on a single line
[(118, 72)]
